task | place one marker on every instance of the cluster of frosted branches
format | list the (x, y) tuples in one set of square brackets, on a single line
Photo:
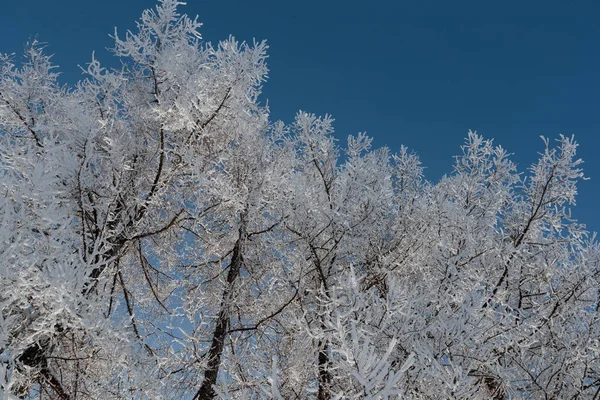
[(160, 238)]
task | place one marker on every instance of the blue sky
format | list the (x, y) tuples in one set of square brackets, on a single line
[(419, 73)]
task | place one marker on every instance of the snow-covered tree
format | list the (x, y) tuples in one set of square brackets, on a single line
[(162, 238)]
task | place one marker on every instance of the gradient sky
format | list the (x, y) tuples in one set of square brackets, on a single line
[(419, 73)]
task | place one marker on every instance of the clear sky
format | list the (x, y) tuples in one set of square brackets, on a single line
[(419, 72)]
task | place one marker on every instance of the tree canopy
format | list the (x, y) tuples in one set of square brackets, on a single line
[(162, 238)]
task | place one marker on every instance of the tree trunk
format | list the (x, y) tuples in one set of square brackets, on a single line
[(324, 374), (206, 391)]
